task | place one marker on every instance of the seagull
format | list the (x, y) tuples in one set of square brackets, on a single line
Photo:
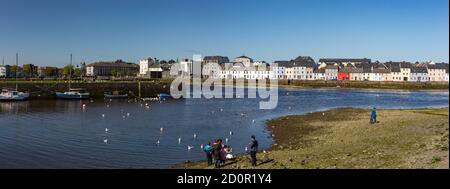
[(103, 115), (161, 129), (123, 117), (105, 141), (190, 147), (195, 135), (179, 140), (84, 105), (231, 133), (106, 130), (221, 109), (253, 121), (246, 148), (201, 146), (226, 140), (107, 105), (157, 142), (128, 114), (323, 114)]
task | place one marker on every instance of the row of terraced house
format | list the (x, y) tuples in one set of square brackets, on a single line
[(305, 68)]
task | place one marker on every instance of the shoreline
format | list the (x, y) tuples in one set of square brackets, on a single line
[(302, 141)]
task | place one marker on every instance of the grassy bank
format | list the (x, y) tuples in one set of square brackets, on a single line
[(343, 138), (281, 83)]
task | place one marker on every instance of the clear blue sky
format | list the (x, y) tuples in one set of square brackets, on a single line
[(45, 32)]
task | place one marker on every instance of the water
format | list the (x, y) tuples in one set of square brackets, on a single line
[(61, 134)]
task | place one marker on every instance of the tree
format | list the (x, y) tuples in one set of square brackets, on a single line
[(14, 70), (27, 70), (49, 72), (77, 72), (114, 73), (67, 70)]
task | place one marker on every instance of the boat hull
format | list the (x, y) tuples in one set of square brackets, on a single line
[(72, 96), (108, 96)]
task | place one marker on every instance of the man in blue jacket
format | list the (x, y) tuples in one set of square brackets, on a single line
[(208, 149), (373, 116)]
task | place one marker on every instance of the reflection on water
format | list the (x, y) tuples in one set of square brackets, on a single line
[(122, 134)]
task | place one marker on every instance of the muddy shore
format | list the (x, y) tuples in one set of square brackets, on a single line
[(344, 139)]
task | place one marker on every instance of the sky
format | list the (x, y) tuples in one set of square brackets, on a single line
[(46, 32)]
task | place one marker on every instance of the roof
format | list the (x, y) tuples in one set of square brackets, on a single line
[(380, 70), (341, 60), (395, 66), (439, 66), (290, 64), (419, 69), (117, 63), (319, 70), (243, 56), (220, 59)]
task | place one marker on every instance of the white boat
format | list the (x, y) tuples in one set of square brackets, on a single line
[(13, 95)]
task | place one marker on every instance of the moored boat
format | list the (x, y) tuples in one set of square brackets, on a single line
[(73, 94), (13, 95), (164, 96), (116, 95)]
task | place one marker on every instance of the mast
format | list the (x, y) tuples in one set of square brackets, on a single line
[(17, 67), (70, 71)]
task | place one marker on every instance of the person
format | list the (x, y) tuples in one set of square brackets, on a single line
[(217, 147), (373, 116), (208, 149), (228, 150), (253, 149), (223, 154)]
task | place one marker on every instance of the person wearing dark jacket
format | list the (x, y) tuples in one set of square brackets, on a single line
[(253, 149), (217, 147)]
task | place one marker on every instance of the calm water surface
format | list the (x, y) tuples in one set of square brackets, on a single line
[(61, 134)]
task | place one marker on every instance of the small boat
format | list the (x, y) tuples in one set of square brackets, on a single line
[(73, 94), (164, 96), (13, 95), (116, 95)]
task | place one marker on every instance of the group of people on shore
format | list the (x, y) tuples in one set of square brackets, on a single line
[(218, 152)]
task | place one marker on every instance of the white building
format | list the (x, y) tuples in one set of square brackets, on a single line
[(331, 72), (150, 68), (419, 74), (3, 71), (437, 71), (246, 61)]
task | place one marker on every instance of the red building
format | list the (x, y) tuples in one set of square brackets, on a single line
[(343, 76), (344, 73)]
